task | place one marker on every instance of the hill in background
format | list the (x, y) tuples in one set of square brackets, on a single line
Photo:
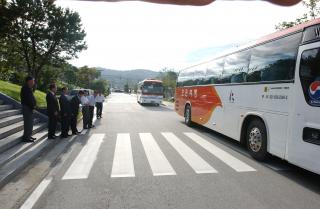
[(118, 79)]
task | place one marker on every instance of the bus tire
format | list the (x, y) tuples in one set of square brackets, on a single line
[(187, 116), (257, 140)]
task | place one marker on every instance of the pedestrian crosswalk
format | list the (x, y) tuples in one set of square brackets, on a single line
[(231, 161), (198, 164), (157, 160), (82, 165), (123, 159)]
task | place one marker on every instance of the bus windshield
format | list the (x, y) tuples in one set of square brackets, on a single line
[(152, 87)]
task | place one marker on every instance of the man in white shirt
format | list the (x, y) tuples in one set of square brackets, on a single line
[(99, 104), (92, 103), (85, 110)]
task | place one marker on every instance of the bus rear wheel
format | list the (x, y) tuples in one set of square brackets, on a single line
[(187, 116), (257, 140)]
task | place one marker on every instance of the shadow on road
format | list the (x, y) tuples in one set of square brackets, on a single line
[(152, 107), (298, 175)]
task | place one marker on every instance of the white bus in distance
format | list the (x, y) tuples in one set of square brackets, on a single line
[(150, 91)]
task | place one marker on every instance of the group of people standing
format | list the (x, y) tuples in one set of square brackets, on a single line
[(62, 109), (68, 111)]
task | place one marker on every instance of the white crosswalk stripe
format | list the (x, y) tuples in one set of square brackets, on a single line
[(224, 156), (81, 166), (123, 160), (158, 162), (198, 164)]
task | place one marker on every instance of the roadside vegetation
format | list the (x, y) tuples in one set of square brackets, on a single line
[(38, 38), (313, 12), (13, 91)]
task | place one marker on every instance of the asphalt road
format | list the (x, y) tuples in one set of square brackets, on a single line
[(145, 157)]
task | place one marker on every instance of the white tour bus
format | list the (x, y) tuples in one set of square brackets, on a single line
[(266, 95), (150, 91)]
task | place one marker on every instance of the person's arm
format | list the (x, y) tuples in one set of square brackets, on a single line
[(31, 101), (62, 106), (49, 105)]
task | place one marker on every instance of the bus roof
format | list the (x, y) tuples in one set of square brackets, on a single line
[(272, 36), (287, 31), (152, 80)]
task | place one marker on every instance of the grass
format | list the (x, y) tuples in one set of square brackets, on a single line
[(13, 91)]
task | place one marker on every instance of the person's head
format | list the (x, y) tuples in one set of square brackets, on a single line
[(64, 90), (99, 93), (81, 93), (95, 93), (53, 87), (30, 81)]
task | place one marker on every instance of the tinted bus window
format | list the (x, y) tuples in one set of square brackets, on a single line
[(186, 77), (236, 66), (225, 76), (275, 60), (310, 76), (214, 71), (199, 75)]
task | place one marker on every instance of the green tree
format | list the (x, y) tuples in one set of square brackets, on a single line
[(313, 12), (86, 76), (41, 34), (100, 85), (169, 79), (49, 74), (126, 88), (69, 74), (135, 88)]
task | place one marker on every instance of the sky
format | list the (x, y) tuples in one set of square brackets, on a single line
[(139, 35)]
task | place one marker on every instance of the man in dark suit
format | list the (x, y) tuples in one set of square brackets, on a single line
[(52, 110), (65, 112), (74, 105), (28, 103)]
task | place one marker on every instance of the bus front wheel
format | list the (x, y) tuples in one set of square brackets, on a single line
[(257, 140), (187, 116)]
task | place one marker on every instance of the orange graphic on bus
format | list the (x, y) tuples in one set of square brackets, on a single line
[(203, 100)]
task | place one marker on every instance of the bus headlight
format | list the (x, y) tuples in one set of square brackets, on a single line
[(311, 135)]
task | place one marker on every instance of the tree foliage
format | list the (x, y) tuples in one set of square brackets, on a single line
[(86, 75), (313, 12), (37, 33), (100, 85), (169, 79), (126, 88), (37, 38)]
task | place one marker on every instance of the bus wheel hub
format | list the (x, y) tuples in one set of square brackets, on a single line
[(255, 139)]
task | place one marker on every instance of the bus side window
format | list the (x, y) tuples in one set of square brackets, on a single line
[(275, 60), (199, 75), (236, 66), (254, 75), (214, 71), (239, 78), (187, 77), (225, 77)]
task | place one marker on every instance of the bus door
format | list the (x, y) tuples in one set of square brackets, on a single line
[(303, 146)]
